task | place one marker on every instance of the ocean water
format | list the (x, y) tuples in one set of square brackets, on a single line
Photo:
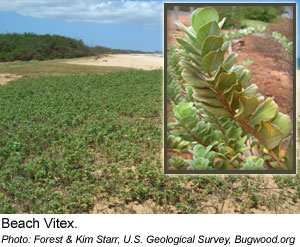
[(298, 63)]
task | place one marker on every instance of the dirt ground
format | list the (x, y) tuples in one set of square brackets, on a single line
[(272, 200), (5, 78), (136, 61), (109, 62), (284, 26), (173, 30), (271, 70)]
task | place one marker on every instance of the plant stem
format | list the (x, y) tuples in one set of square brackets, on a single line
[(248, 128), (200, 142), (193, 136), (221, 128)]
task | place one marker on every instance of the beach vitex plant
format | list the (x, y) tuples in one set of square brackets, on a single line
[(217, 110)]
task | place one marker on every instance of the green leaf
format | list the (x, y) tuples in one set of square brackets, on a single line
[(212, 61), (187, 46), (242, 140), (196, 59), (259, 97), (253, 163), (270, 134), (225, 46), (225, 81), (266, 111), (251, 90), (245, 78), (200, 17), (220, 111), (230, 60), (283, 122), (206, 30), (188, 32), (228, 92), (215, 78), (188, 66), (185, 113), (247, 106), (209, 101), (235, 99), (238, 70), (184, 106), (275, 165), (235, 133), (211, 43), (221, 23), (194, 80), (281, 149), (199, 164), (205, 92)]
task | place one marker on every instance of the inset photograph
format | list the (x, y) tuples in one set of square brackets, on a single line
[(229, 89)]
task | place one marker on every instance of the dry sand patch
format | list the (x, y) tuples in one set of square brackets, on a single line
[(136, 61), (5, 78)]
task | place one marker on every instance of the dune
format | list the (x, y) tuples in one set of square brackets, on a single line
[(136, 61)]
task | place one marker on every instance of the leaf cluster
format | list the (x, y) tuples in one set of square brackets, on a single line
[(283, 40)]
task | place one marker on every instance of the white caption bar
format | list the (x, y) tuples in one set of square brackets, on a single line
[(149, 230)]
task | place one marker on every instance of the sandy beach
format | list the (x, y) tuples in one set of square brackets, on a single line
[(136, 61)]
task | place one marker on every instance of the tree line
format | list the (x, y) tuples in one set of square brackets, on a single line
[(30, 46)]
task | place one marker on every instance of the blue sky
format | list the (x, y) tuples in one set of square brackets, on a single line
[(124, 24)]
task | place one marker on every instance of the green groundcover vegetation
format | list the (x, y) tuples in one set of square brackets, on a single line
[(70, 143), (57, 132), (29, 46)]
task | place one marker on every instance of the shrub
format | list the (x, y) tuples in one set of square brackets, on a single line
[(233, 15), (263, 13), (29, 46)]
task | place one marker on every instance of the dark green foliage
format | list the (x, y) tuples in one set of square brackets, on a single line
[(29, 46), (184, 8), (233, 15), (263, 13)]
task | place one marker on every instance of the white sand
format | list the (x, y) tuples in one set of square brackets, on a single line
[(137, 61), (5, 78)]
